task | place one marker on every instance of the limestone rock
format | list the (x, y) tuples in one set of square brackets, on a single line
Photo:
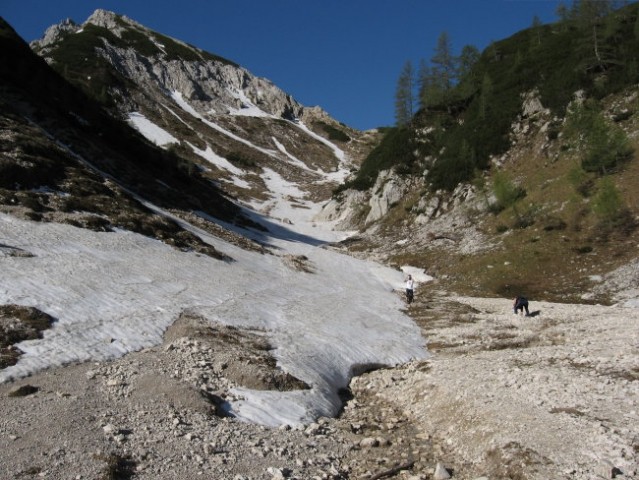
[(388, 190), (440, 472)]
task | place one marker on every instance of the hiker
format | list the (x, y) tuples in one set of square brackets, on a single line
[(520, 304), (410, 285)]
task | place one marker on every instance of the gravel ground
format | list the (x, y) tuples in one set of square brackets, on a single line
[(555, 395)]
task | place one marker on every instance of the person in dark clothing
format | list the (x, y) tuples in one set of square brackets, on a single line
[(520, 304)]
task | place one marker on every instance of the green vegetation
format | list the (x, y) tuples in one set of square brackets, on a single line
[(177, 51), (76, 60), (581, 181), (217, 58), (161, 176), (39, 164), (241, 160), (174, 50), (603, 145), (613, 214), (404, 98), (334, 134), (393, 151), (475, 98), (505, 191), (141, 42)]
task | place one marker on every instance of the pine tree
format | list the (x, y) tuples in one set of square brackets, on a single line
[(467, 59), (431, 91), (467, 78), (535, 31), (444, 63), (404, 98), (608, 203), (590, 15), (485, 98), (603, 145)]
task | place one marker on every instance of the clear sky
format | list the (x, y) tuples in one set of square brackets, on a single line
[(343, 55)]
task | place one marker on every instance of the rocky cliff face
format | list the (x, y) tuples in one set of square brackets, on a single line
[(210, 84), (236, 126)]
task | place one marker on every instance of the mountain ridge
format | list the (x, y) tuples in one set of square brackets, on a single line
[(218, 116)]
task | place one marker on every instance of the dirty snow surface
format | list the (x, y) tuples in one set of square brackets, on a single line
[(114, 293)]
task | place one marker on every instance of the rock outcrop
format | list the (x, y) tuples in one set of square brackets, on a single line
[(209, 83)]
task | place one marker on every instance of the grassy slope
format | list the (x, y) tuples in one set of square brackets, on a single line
[(556, 256)]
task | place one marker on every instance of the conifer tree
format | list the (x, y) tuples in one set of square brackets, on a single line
[(444, 63), (431, 91), (467, 78), (467, 59), (404, 98), (485, 98), (535, 31), (608, 204)]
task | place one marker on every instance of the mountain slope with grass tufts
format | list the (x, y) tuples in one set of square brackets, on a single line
[(522, 177)]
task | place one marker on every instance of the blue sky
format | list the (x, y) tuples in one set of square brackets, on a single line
[(344, 55)]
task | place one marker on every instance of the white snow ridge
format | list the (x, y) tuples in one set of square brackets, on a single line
[(113, 293)]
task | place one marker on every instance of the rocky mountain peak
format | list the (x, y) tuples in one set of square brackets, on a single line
[(55, 33), (235, 126), (210, 84), (111, 21), (316, 113)]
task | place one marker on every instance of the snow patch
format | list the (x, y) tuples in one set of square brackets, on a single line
[(249, 109), (150, 130), (418, 274), (220, 162), (177, 96)]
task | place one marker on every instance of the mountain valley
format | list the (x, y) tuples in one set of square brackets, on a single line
[(203, 278)]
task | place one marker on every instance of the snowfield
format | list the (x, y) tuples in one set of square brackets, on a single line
[(113, 293)]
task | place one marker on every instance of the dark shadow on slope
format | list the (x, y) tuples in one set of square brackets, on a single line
[(17, 324), (263, 229)]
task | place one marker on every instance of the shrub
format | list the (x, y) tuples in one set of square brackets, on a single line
[(526, 218), (241, 160), (607, 204), (505, 191), (560, 64), (334, 134), (604, 146), (394, 150), (554, 223), (76, 59), (141, 42), (580, 180)]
